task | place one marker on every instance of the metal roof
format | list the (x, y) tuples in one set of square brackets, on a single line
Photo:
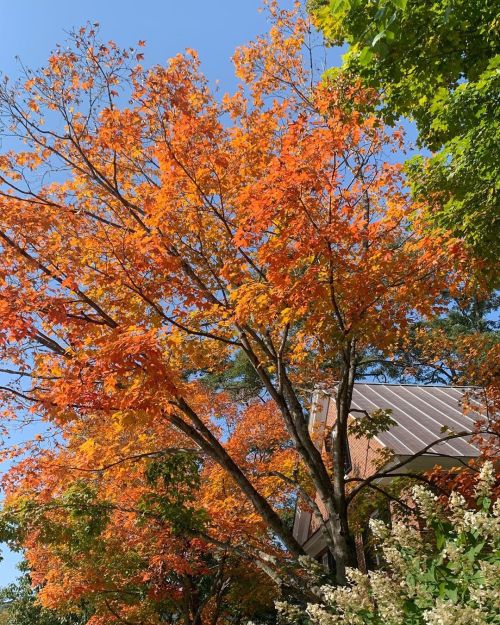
[(420, 413)]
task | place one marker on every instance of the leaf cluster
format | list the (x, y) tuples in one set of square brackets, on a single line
[(437, 63), (176, 482), (22, 607), (370, 425)]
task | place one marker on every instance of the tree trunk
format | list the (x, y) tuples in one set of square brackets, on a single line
[(343, 553)]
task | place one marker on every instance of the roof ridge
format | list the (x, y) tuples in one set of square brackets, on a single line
[(416, 384), (325, 389)]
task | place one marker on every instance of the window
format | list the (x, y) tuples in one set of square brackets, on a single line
[(347, 458), (328, 561), (347, 451)]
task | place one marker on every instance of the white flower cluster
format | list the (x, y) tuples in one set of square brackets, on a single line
[(427, 502), (448, 613), (447, 575), (486, 480)]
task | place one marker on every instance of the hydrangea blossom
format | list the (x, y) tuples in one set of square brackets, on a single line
[(448, 575)]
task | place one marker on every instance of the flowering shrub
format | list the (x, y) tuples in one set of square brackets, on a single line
[(446, 575)]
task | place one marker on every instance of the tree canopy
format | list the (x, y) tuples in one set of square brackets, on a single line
[(153, 237), (436, 62)]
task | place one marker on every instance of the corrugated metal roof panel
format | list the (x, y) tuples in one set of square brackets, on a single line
[(420, 413)]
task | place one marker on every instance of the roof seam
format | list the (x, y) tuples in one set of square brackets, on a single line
[(448, 443)]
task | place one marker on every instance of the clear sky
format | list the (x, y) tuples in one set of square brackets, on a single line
[(29, 29)]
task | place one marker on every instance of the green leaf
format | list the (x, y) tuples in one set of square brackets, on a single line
[(452, 593), (338, 7), (378, 37), (365, 56)]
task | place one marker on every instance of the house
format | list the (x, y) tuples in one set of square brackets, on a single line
[(423, 414)]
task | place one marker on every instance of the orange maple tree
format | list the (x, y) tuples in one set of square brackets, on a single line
[(151, 233), (144, 543)]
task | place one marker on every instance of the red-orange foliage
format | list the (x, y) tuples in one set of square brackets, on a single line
[(135, 564), (160, 232), (460, 480)]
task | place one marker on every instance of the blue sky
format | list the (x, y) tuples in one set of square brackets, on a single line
[(30, 29)]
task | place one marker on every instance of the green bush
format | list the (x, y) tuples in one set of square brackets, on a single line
[(448, 574)]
